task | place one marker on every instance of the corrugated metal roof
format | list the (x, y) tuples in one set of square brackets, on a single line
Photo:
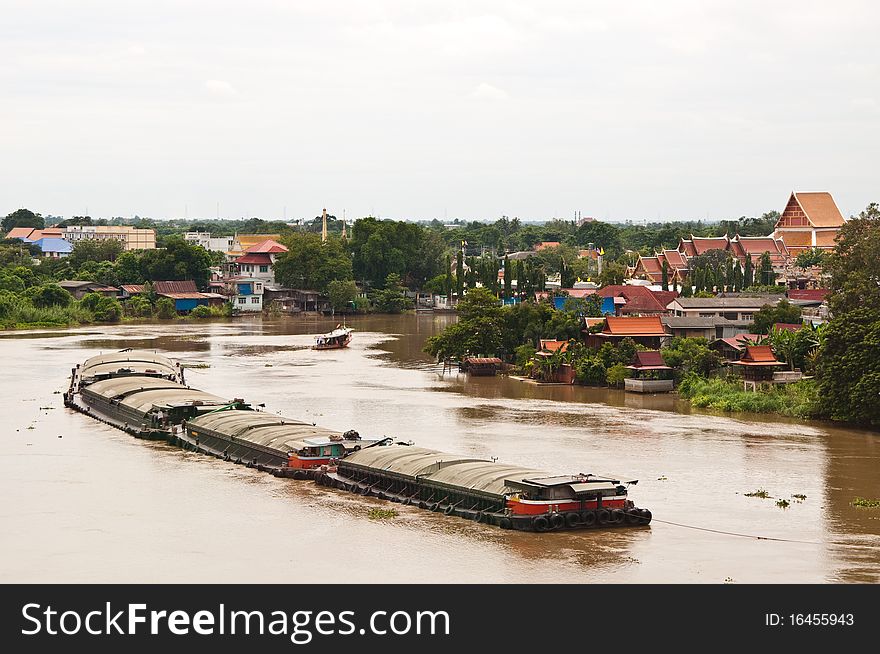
[(405, 460), (183, 286)]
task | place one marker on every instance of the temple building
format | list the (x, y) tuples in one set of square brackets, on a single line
[(809, 220)]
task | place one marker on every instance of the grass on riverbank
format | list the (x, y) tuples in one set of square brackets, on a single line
[(798, 400)]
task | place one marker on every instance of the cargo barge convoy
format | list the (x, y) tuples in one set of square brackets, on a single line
[(145, 394)]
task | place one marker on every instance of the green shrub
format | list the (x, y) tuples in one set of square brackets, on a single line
[(523, 354), (616, 374), (139, 306), (799, 400), (590, 371), (165, 308), (202, 311)]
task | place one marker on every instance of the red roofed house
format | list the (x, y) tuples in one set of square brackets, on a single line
[(734, 347), (809, 220), (546, 244), (185, 295), (645, 330), (258, 261), (758, 365), (651, 268), (23, 233)]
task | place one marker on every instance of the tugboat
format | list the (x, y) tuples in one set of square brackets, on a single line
[(335, 340)]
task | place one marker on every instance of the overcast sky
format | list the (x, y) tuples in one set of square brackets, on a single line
[(419, 110)]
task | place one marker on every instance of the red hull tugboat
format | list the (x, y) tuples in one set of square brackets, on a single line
[(510, 497), (335, 340)]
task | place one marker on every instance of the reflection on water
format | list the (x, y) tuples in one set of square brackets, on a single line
[(98, 505)]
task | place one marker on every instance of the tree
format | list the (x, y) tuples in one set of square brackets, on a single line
[(51, 295), (341, 294), (103, 308), (95, 250), (848, 366), (664, 284), (459, 273), (165, 308), (391, 299), (22, 218), (765, 270), (808, 258), (310, 264), (748, 273), (768, 315), (612, 274), (177, 260)]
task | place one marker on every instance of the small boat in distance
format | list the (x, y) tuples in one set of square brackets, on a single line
[(338, 338)]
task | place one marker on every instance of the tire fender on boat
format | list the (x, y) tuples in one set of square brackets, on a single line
[(572, 519), (603, 516), (540, 523), (588, 518), (556, 521)]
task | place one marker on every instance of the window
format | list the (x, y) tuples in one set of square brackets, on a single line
[(255, 300), (707, 315), (242, 300), (258, 288), (264, 269), (747, 316)]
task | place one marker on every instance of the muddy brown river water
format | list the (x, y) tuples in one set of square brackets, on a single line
[(82, 502)]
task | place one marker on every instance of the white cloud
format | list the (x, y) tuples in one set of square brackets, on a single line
[(486, 91), (219, 87)]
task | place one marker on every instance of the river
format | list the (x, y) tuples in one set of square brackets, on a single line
[(83, 502)]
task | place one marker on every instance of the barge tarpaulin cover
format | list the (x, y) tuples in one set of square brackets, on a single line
[(137, 397), (130, 362), (440, 469), (274, 434)]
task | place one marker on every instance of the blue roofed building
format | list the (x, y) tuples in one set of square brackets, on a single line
[(54, 248)]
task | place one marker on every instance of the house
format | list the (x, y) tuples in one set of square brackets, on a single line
[(708, 328), (184, 294), (79, 288), (632, 300), (22, 233), (649, 374), (258, 261), (546, 244), (550, 345), (754, 247), (132, 238), (645, 330), (787, 326), (242, 242), (758, 365), (480, 366), (733, 347), (245, 293), (53, 248), (564, 374), (810, 220), (739, 309), (208, 242)]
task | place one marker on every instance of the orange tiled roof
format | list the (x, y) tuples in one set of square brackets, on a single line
[(820, 209), (269, 246), (703, 245), (675, 259), (759, 354), (634, 326), (20, 232), (554, 346)]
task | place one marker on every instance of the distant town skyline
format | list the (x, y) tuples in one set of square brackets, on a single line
[(637, 111)]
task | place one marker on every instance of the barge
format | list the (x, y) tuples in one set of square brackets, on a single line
[(144, 394), (139, 392), (290, 448), (510, 497)]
